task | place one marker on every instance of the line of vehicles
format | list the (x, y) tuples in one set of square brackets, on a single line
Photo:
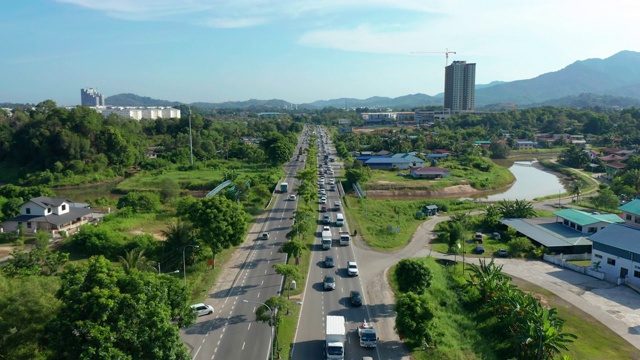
[(335, 325)]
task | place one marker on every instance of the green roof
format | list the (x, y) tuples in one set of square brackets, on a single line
[(584, 218), (631, 207)]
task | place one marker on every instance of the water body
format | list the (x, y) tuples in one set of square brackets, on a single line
[(531, 182)]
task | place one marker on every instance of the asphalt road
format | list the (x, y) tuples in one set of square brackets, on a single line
[(318, 303), (231, 332)]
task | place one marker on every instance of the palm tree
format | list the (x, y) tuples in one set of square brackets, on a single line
[(135, 260), (516, 209), (177, 236)]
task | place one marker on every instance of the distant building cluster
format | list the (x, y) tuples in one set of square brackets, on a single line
[(140, 112), (91, 97)]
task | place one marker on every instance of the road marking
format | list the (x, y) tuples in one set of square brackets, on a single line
[(249, 326), (243, 345), (196, 354), (203, 340), (258, 295), (261, 282), (265, 271)]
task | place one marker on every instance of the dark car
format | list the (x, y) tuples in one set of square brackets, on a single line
[(502, 253), (329, 262), (479, 249), (329, 282), (356, 298)]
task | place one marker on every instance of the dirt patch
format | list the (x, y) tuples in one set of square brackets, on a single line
[(451, 191), (158, 236), (5, 250)]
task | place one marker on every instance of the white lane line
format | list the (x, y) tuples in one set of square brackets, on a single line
[(203, 340), (265, 271), (196, 354), (249, 326), (258, 295), (261, 282), (243, 345)]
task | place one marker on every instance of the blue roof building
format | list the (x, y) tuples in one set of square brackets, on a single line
[(397, 161)]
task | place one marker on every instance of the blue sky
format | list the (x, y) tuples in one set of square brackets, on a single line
[(294, 50)]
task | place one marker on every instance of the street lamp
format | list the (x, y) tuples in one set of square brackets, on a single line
[(190, 137), (270, 324), (184, 263)]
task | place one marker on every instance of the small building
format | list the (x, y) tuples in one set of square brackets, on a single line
[(552, 235), (397, 161), (584, 222), (431, 172), (49, 214), (631, 213), (524, 144), (616, 249), (430, 210)]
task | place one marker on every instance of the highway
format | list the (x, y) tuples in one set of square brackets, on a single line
[(231, 332), (318, 303)]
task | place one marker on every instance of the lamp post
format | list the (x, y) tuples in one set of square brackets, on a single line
[(190, 137), (271, 324), (184, 262)]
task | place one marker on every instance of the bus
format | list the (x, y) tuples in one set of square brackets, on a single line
[(339, 219)]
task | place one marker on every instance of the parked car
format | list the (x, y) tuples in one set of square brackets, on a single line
[(479, 237), (496, 235), (329, 262), (329, 282), (502, 253), (202, 309), (356, 298), (352, 268), (479, 249)]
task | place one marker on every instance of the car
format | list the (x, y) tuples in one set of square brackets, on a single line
[(332, 188), (332, 181), (329, 172), (479, 237), (292, 197), (264, 236), (502, 253), (336, 205), (323, 200), (323, 192), (496, 235), (323, 208), (329, 282), (352, 268), (479, 249), (326, 219), (329, 262), (356, 298), (326, 228), (202, 309)]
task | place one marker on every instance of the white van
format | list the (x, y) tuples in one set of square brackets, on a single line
[(339, 219)]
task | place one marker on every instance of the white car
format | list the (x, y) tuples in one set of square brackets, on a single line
[(323, 192), (332, 181), (352, 268), (292, 197), (326, 228), (323, 200), (202, 309)]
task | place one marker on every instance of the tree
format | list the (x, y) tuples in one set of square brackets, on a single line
[(39, 261), (273, 314), (516, 209), (108, 314), (606, 199), (414, 315), (27, 303), (135, 260), (170, 189), (293, 248), (290, 272), (140, 201), (499, 150), (520, 246), (219, 222), (574, 157), (413, 275)]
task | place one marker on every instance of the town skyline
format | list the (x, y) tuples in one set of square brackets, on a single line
[(297, 51)]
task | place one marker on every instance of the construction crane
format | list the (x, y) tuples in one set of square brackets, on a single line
[(446, 53)]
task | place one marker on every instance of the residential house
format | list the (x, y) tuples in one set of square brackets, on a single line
[(430, 172), (50, 214), (584, 222), (616, 252), (397, 161), (524, 144), (631, 213)]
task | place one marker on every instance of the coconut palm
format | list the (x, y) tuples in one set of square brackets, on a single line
[(135, 260)]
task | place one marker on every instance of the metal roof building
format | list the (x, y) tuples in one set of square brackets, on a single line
[(551, 234)]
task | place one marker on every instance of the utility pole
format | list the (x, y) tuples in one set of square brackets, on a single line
[(190, 136)]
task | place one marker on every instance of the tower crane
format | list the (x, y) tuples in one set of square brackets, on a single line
[(446, 53)]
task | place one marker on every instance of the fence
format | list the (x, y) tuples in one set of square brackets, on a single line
[(561, 260)]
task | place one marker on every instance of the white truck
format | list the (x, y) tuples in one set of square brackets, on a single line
[(326, 240), (336, 335), (367, 335), (345, 239)]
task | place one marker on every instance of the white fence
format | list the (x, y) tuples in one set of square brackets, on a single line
[(561, 260)]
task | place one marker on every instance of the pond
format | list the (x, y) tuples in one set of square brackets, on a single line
[(531, 182)]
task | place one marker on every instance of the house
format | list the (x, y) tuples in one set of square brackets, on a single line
[(397, 161), (430, 210), (551, 234), (611, 169), (631, 213), (50, 214), (431, 172), (584, 222), (525, 144), (616, 252)]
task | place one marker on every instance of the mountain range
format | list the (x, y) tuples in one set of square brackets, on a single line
[(614, 81)]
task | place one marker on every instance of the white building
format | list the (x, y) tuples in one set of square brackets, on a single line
[(139, 113)]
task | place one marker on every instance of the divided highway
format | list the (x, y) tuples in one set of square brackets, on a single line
[(231, 332), (318, 303)]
